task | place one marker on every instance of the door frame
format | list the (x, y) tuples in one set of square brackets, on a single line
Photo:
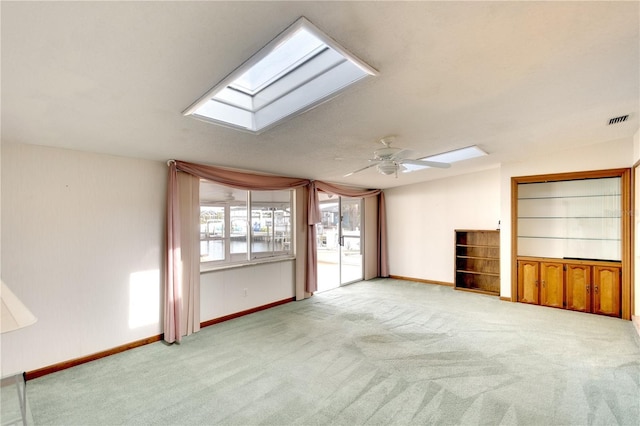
[(340, 240)]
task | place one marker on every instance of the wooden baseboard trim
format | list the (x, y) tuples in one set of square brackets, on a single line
[(506, 299), (34, 374), (247, 312), (420, 280)]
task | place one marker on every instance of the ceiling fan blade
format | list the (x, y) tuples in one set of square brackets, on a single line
[(425, 163), (403, 154), (373, 163)]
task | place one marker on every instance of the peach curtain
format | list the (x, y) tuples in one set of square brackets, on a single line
[(182, 277), (189, 201), (173, 266)]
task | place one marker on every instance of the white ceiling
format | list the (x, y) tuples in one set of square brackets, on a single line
[(518, 79)]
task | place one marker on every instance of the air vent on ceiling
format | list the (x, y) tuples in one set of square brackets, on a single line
[(617, 120)]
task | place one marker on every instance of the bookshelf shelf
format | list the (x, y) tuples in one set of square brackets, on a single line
[(477, 259)]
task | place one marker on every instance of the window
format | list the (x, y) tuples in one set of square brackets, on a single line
[(238, 226), (296, 71)]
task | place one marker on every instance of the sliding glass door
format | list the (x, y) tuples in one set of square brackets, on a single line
[(339, 241)]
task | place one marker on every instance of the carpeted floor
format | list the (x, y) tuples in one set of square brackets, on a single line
[(376, 352)]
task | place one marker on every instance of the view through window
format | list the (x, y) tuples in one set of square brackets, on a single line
[(238, 226)]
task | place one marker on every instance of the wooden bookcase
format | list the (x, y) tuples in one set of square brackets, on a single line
[(477, 259)]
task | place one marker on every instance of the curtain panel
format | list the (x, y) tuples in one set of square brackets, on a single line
[(189, 205), (173, 262), (182, 274)]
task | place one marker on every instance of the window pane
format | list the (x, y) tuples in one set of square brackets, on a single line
[(212, 238), (239, 231), (299, 47), (231, 232), (270, 222)]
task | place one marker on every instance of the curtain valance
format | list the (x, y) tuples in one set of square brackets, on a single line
[(240, 180), (314, 203)]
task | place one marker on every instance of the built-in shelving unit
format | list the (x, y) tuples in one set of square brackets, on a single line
[(571, 241), (477, 259)]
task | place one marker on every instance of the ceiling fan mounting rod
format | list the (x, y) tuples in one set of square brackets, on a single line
[(387, 140)]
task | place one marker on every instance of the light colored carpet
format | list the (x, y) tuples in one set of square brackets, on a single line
[(376, 352)]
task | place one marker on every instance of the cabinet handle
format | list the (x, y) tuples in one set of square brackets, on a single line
[(543, 283), (536, 282), (588, 288), (596, 289)]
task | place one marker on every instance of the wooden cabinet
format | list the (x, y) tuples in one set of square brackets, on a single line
[(528, 272), (606, 290), (577, 285), (552, 284), (477, 260)]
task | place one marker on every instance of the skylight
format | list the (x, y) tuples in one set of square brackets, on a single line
[(454, 156), (295, 72)]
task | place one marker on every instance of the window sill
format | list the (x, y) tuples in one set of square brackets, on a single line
[(214, 268)]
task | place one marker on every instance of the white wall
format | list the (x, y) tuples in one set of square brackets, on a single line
[(607, 155), (82, 239), (421, 220), (223, 292), (81, 246)]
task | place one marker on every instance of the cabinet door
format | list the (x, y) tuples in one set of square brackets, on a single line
[(528, 281), (552, 288), (606, 290), (578, 284)]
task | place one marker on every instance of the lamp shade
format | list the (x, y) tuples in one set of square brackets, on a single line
[(13, 313)]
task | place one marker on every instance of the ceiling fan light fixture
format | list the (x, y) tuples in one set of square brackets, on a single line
[(387, 168)]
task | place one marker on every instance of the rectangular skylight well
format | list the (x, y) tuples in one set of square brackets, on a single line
[(295, 72), (456, 155)]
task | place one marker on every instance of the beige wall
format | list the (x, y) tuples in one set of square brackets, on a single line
[(82, 239), (233, 290), (81, 246), (422, 218)]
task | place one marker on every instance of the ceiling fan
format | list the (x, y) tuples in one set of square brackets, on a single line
[(390, 160)]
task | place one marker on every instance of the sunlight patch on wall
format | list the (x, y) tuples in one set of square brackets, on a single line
[(144, 298)]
